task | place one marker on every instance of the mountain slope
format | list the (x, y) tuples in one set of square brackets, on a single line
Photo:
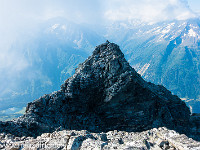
[(165, 53)]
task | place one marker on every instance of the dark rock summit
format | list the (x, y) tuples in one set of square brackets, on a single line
[(104, 94)]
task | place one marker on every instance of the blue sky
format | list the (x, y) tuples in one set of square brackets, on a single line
[(194, 5)]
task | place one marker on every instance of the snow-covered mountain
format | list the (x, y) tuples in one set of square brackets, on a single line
[(166, 53)]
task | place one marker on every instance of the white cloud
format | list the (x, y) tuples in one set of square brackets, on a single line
[(148, 10), (91, 11)]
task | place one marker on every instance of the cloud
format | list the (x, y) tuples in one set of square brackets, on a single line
[(17, 14), (148, 10), (25, 11), (13, 60)]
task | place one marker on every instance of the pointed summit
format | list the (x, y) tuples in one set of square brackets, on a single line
[(107, 70), (105, 93), (113, 48)]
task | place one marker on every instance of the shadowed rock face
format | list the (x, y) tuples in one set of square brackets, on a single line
[(105, 93)]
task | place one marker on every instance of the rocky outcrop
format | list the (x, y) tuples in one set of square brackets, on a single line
[(154, 139), (104, 94)]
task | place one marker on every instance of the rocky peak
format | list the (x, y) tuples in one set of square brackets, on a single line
[(105, 70), (104, 94), (107, 58), (107, 48)]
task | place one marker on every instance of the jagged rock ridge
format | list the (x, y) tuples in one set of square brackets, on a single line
[(154, 139), (104, 94)]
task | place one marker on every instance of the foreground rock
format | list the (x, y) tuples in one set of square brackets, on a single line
[(155, 139)]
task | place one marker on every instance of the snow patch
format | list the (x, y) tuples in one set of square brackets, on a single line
[(158, 31), (192, 26), (165, 31), (144, 69), (192, 33), (168, 28), (184, 24)]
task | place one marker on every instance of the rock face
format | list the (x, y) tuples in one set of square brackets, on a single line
[(104, 94), (154, 139)]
